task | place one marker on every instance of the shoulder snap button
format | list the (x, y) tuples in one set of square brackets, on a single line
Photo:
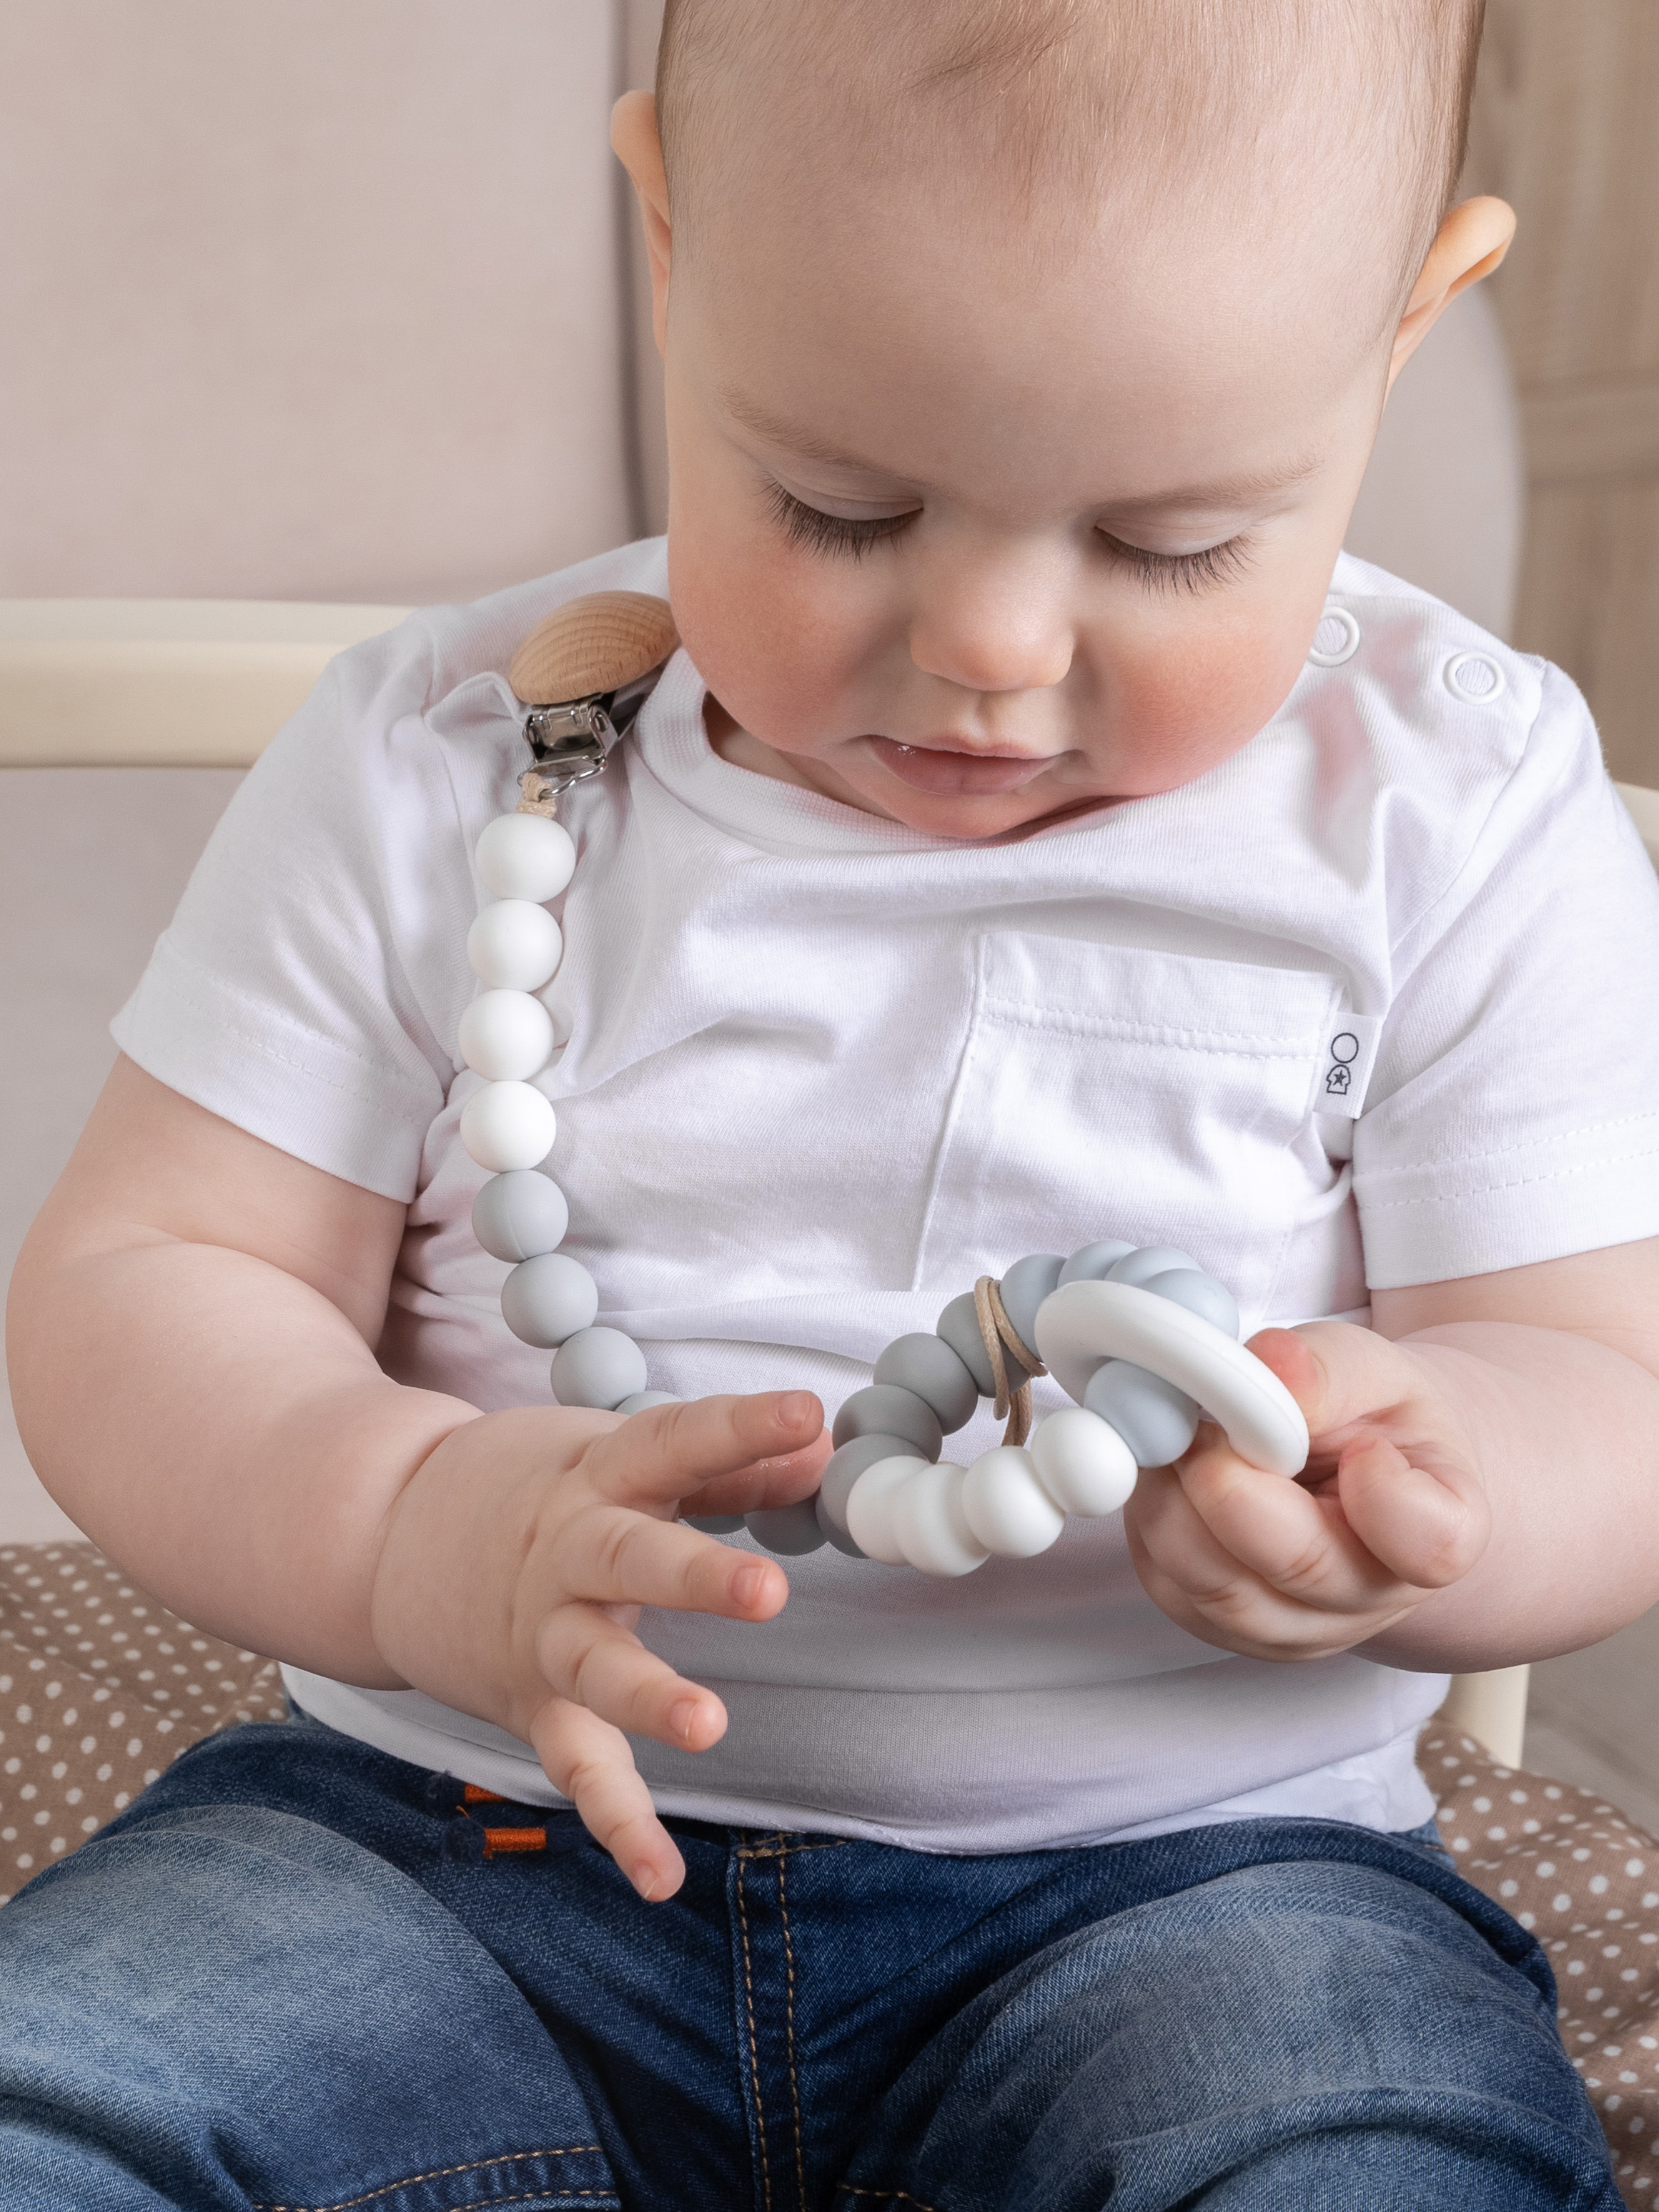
[(1336, 639), (1474, 678)]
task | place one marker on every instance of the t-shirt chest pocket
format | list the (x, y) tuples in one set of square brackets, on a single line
[(1110, 1090)]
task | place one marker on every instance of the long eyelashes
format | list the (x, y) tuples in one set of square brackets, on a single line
[(1182, 572), (810, 527), (828, 533)]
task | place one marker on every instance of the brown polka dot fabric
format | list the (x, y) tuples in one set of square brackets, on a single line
[(99, 1688), (1586, 1882)]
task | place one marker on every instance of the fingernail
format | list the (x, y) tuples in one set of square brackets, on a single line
[(644, 1879), (748, 1583), (795, 1407), (681, 1718)]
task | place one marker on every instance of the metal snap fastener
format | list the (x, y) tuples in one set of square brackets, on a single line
[(1336, 639), (1474, 678)]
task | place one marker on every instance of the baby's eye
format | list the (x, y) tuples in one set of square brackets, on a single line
[(1182, 572), (831, 533)]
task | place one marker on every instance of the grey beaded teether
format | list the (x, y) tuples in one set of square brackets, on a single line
[(885, 1493), (1140, 1339)]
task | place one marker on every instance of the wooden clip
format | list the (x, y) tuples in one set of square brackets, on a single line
[(592, 646)]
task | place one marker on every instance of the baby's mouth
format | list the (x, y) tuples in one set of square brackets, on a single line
[(950, 773)]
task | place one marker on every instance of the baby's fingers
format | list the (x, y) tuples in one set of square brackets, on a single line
[(613, 1557), (590, 1762), (670, 1451), (594, 1661), (1275, 1529), (1422, 1529)]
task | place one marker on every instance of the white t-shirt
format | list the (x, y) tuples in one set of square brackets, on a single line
[(822, 1072)]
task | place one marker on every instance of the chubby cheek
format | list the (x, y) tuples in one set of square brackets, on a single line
[(792, 646), (1186, 697)]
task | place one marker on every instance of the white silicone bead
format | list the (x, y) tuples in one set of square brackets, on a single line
[(1006, 1506), (507, 1126), (642, 1402), (929, 1525), (870, 1509), (506, 1036), (598, 1367), (1085, 1466), (514, 946), (525, 856)]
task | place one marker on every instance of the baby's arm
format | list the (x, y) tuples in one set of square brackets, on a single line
[(190, 1336), (1482, 1487)]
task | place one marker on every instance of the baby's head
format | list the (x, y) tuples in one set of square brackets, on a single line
[(1023, 358)]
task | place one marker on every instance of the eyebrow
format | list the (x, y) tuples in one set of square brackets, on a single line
[(1238, 491), (778, 431)]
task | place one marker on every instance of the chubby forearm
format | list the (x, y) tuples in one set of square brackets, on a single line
[(1565, 1431), (222, 1429)]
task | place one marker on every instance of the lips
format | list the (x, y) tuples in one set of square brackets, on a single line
[(950, 773)]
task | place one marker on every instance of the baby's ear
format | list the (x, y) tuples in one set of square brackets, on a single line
[(1468, 246), (637, 145)]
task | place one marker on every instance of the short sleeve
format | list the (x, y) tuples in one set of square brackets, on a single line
[(305, 983), (1513, 1115)]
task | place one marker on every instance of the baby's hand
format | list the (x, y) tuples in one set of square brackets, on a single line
[(1391, 1507), (518, 1558)]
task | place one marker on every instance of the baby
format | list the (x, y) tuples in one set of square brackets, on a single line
[(1038, 798)]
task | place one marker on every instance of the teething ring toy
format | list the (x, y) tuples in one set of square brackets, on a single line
[(1085, 1322), (1142, 1340)]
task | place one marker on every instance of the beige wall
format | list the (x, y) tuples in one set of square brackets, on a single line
[(1570, 130), (316, 300)]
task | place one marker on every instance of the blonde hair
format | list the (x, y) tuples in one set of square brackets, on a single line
[(1086, 90)]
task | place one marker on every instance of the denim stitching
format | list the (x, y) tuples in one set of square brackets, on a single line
[(782, 1850), (789, 2028), (442, 2173), (893, 2196), (523, 2197), (754, 2060)]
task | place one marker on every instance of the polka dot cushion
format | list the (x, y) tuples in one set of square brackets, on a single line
[(1587, 1881), (99, 1688)]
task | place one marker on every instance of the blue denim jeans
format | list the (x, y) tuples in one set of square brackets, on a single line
[(297, 1974)]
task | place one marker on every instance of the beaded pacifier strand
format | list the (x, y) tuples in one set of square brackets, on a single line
[(1143, 1341)]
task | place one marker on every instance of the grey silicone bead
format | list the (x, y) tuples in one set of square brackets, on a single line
[(788, 1530), (1155, 1420), (1089, 1265), (958, 1327), (643, 1401), (548, 1298), (518, 1215), (1199, 1294), (1025, 1287), (1151, 1260), (935, 1373), (838, 1537), (598, 1367), (883, 1409), (713, 1524), (843, 1469)]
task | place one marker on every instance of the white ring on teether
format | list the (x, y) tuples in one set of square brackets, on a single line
[(1080, 1324)]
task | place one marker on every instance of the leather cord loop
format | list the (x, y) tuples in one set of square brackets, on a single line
[(1012, 1403)]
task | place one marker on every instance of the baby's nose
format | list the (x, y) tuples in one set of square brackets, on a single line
[(992, 642)]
